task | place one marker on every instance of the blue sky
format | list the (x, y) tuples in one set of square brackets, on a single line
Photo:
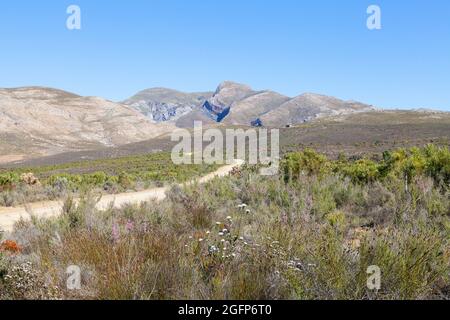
[(290, 46)]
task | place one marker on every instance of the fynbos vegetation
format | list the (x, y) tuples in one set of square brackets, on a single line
[(310, 232)]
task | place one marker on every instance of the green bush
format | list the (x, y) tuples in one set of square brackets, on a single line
[(95, 179), (362, 171), (9, 179), (69, 179), (125, 180), (323, 199), (404, 164), (307, 162), (438, 163)]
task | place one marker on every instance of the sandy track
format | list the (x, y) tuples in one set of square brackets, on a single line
[(46, 209)]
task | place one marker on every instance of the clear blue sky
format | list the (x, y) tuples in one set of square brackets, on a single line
[(291, 46)]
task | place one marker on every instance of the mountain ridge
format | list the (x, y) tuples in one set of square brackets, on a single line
[(239, 104)]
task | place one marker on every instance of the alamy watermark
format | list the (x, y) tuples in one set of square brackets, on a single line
[(374, 278), (73, 281), (73, 22), (374, 19), (373, 22), (226, 149)]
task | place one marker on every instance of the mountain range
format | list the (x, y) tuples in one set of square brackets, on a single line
[(39, 121), (238, 104)]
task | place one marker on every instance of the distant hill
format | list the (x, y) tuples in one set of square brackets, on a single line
[(38, 121)]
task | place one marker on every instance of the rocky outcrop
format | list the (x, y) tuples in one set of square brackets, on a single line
[(162, 105)]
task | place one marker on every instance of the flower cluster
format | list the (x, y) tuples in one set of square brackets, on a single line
[(24, 282), (223, 242)]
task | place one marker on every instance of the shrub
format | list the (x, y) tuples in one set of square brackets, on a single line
[(125, 180), (362, 171), (95, 179), (307, 162), (23, 281), (336, 219), (323, 199), (62, 181), (29, 179), (438, 163), (8, 181)]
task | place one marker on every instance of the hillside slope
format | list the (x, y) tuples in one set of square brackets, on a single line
[(41, 121), (248, 110), (309, 106)]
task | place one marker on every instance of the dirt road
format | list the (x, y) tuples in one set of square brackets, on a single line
[(46, 209)]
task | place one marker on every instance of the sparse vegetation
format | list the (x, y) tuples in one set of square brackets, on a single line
[(309, 233)]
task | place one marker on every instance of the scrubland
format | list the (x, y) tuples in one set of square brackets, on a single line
[(309, 232)]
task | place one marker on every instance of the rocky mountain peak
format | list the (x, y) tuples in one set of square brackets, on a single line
[(238, 104)]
